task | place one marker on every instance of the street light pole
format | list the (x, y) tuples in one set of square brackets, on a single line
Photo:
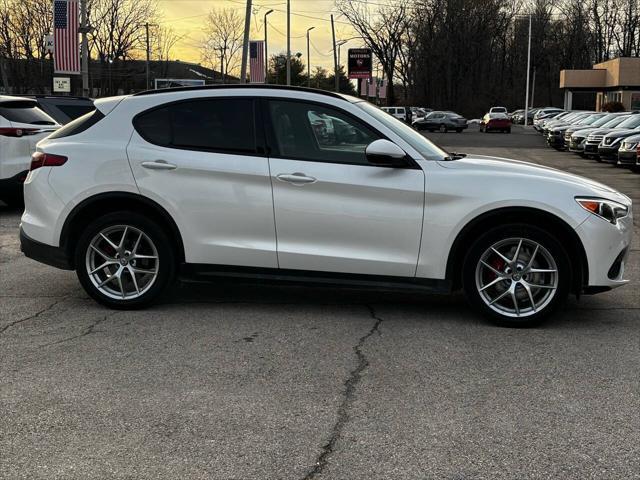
[(309, 59), (245, 44), (288, 42), (146, 27), (526, 99), (266, 55)]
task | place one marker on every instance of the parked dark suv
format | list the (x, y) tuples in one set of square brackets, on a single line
[(63, 109)]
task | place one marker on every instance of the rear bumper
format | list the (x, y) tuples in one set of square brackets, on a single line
[(54, 256)]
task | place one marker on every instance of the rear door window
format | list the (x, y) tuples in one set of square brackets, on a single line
[(21, 111), (216, 125)]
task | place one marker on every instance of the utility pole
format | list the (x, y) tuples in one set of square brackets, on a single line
[(266, 55), (289, 42), (146, 27), (309, 59), (526, 99), (245, 44), (335, 55), (84, 48)]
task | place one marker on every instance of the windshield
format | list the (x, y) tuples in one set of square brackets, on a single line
[(632, 122), (615, 122), (605, 120), (426, 148), (590, 119)]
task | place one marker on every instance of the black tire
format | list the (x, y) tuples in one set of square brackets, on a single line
[(13, 200), (167, 264), (534, 234), (508, 130), (458, 130), (430, 130), (443, 128)]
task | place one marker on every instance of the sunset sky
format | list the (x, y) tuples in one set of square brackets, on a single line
[(187, 17)]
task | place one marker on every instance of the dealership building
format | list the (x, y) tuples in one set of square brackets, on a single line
[(616, 80)]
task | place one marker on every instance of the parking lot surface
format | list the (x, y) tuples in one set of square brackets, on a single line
[(252, 381)]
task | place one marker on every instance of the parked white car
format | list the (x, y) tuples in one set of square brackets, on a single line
[(22, 125), (397, 112), (234, 180), (498, 110)]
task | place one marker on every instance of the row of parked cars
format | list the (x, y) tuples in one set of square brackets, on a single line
[(517, 116), (24, 121), (607, 137)]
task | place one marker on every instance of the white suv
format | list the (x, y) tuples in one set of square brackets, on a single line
[(22, 125), (237, 180)]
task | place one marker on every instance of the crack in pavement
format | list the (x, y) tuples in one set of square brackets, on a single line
[(35, 315), (349, 392), (87, 331)]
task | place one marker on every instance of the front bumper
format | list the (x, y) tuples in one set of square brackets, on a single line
[(556, 141), (54, 256), (608, 153), (607, 248), (591, 149), (627, 158), (576, 146)]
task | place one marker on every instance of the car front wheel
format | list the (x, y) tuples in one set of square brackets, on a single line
[(516, 275), (124, 260)]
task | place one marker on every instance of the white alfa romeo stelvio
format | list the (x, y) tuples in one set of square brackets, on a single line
[(278, 183)]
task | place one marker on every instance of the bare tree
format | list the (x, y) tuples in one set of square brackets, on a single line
[(163, 40), (222, 43), (118, 31), (382, 27)]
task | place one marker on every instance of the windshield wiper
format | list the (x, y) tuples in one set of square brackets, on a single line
[(454, 156)]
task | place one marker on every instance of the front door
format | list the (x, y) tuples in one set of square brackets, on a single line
[(334, 211)]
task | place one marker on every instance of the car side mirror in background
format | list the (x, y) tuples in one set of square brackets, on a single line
[(384, 153)]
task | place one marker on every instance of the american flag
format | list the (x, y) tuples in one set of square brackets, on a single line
[(256, 61), (65, 36)]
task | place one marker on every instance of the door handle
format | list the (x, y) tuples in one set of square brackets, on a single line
[(159, 165), (296, 178)]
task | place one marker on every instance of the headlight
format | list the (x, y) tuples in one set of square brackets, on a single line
[(606, 209)]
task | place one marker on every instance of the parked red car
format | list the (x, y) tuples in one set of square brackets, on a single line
[(499, 122)]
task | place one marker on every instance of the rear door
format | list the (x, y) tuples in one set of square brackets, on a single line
[(334, 211), (203, 160)]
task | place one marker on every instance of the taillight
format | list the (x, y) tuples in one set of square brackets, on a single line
[(41, 159), (18, 132)]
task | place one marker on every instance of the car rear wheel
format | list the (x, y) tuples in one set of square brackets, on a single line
[(124, 260), (516, 275), (443, 128)]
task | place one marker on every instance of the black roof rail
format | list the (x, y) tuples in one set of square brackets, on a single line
[(44, 95), (238, 85)]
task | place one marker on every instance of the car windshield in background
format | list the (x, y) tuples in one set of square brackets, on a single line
[(615, 122), (25, 112), (498, 115), (606, 119), (631, 123), (589, 120), (427, 149)]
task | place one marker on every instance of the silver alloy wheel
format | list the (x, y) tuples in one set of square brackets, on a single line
[(122, 262), (517, 277)]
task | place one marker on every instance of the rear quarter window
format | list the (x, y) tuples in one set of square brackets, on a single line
[(78, 125)]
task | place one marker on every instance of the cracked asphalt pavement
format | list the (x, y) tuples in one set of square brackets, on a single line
[(254, 381)]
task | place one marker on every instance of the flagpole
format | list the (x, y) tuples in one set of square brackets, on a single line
[(84, 29)]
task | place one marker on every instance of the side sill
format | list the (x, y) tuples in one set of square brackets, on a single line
[(207, 273)]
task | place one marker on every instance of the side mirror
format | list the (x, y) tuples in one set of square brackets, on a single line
[(384, 153)]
